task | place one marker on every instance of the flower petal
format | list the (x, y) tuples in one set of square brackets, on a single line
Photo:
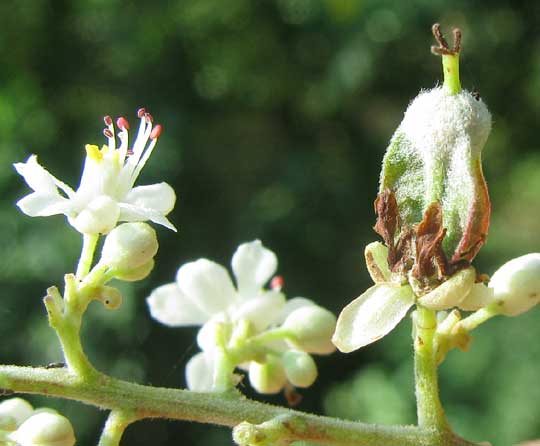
[(253, 265), (371, 316), (38, 178), (200, 372), (44, 204), (207, 284), (100, 216), (131, 212), (159, 197), (262, 311), (171, 307), (450, 293)]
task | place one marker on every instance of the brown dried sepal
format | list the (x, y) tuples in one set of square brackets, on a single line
[(430, 258)]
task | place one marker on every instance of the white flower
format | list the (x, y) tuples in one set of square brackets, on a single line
[(204, 294), (204, 291), (106, 193)]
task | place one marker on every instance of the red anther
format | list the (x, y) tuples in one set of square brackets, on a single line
[(129, 152), (107, 120), (277, 283), (122, 123), (148, 117), (141, 112), (156, 132), (107, 133)]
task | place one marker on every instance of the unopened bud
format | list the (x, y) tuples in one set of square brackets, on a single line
[(16, 408), (300, 368), (129, 246), (268, 376), (110, 297), (516, 285), (135, 274), (312, 328), (44, 429)]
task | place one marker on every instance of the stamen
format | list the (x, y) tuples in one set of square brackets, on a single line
[(107, 120), (141, 112), (122, 123), (148, 117), (156, 132), (129, 152), (277, 283), (107, 133)]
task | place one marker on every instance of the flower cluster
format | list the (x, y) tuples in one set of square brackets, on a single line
[(247, 326), (106, 193), (22, 425)]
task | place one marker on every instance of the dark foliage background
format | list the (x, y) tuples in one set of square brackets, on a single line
[(276, 116)]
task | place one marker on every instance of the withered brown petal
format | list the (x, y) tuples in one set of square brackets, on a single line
[(429, 237), (475, 233), (387, 222)]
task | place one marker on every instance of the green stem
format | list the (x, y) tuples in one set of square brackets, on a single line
[(116, 424), (429, 407), (87, 255), (154, 402), (450, 64), (478, 317)]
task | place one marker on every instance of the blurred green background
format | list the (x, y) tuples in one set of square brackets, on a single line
[(276, 115)]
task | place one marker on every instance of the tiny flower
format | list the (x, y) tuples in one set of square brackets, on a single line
[(233, 317), (204, 292), (44, 429), (106, 192)]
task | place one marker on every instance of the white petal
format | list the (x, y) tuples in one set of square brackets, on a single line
[(200, 372), (207, 284), (131, 212), (160, 197), (100, 216), (253, 265), (371, 316), (36, 176), (170, 306), (214, 333), (17, 408), (262, 311), (450, 293), (43, 204)]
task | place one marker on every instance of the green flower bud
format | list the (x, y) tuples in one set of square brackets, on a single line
[(136, 274), (17, 409), (129, 246), (268, 376), (300, 368), (311, 328), (516, 285), (433, 206), (45, 429)]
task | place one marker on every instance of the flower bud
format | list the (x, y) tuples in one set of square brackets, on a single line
[(312, 328), (110, 297), (268, 376), (129, 246), (300, 368), (516, 285), (16, 408), (136, 274), (45, 429), (376, 255)]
